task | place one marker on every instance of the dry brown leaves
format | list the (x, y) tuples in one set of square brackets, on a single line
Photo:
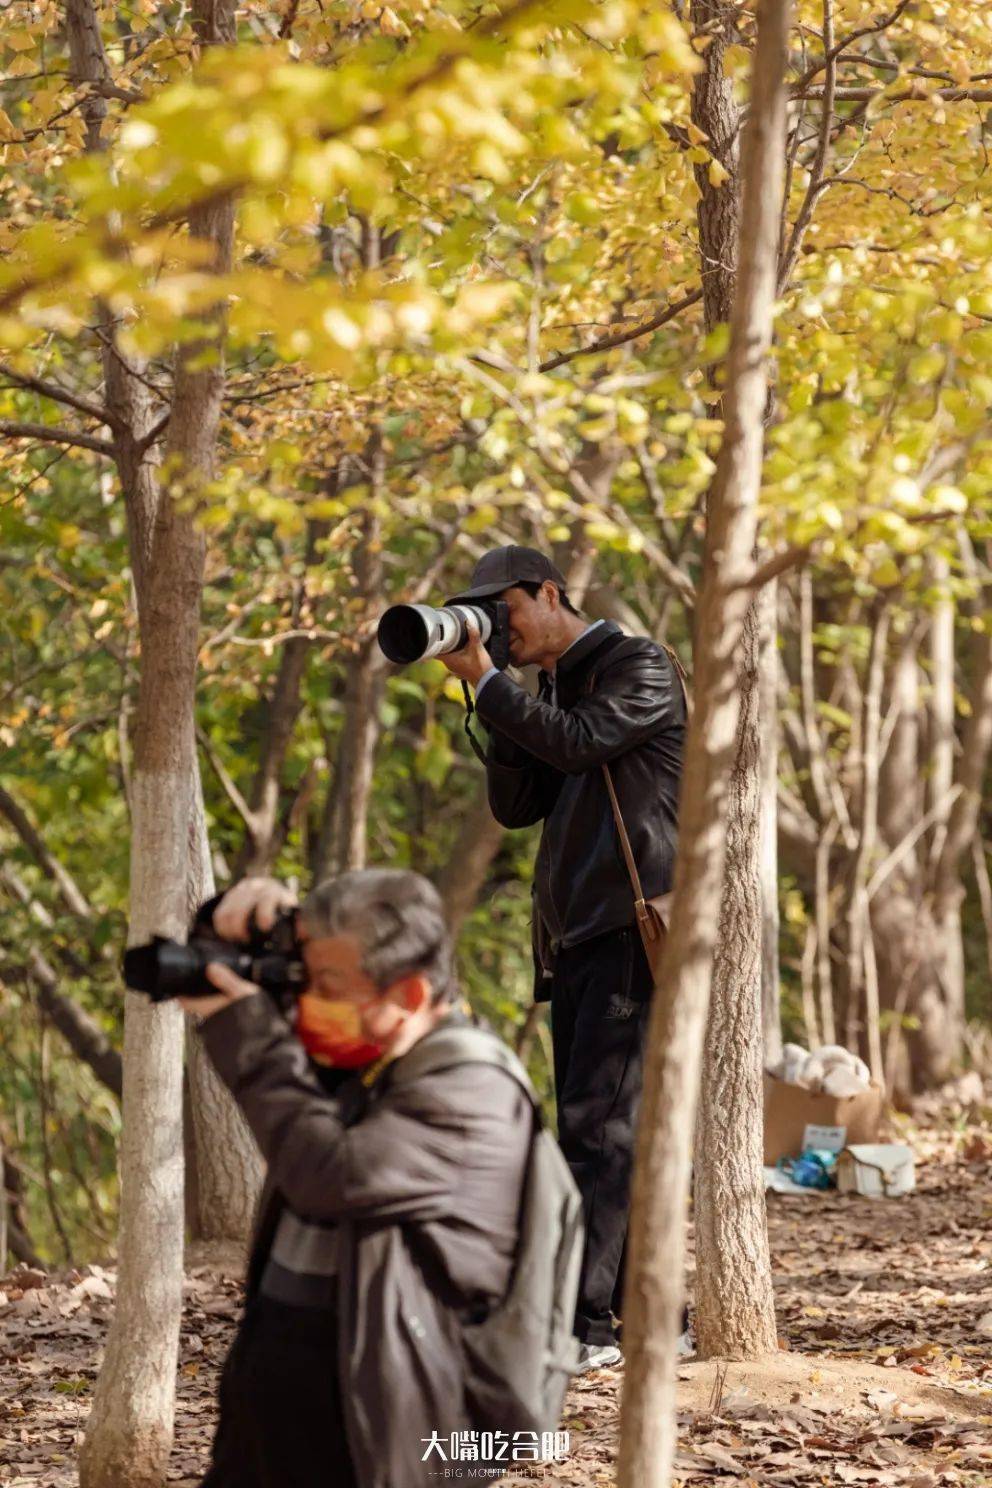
[(885, 1312)]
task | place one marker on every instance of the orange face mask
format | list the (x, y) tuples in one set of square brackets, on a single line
[(331, 1033)]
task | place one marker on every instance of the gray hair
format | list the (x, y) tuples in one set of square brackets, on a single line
[(396, 916)]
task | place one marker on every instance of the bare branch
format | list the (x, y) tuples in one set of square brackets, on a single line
[(822, 156), (620, 338), (70, 893), (54, 434), (59, 394), (882, 24), (231, 790), (908, 95)]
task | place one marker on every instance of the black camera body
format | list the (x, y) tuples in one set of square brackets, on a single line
[(273, 960)]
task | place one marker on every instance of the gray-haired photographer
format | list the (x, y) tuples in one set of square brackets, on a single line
[(417, 1243), (596, 757)]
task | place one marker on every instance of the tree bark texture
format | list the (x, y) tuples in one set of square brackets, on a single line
[(653, 1296), (771, 1010), (734, 1301), (735, 1307), (129, 1432), (343, 842)]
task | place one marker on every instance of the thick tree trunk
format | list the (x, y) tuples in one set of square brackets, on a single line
[(653, 1296), (228, 1165), (734, 1302)]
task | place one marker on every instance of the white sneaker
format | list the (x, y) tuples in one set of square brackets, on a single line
[(686, 1346), (598, 1356)]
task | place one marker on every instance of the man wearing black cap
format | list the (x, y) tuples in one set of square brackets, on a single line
[(603, 698)]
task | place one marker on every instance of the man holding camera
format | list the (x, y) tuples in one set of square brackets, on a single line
[(392, 1197), (603, 699)]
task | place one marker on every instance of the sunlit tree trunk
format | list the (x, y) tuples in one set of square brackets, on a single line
[(771, 1011), (129, 1432), (653, 1295), (734, 1300)]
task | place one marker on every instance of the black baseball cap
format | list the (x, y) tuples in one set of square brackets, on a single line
[(504, 567)]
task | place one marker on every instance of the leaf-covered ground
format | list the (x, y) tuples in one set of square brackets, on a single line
[(884, 1374)]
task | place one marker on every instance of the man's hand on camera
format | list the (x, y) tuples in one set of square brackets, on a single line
[(263, 898), (472, 662), (231, 988)]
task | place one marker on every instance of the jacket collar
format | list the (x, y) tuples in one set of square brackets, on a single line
[(381, 1071), (580, 652)]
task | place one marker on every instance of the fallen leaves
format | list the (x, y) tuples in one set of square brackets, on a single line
[(861, 1285)]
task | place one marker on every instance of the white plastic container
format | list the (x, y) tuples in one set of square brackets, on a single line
[(879, 1170)]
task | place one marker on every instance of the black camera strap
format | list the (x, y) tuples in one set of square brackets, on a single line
[(469, 711)]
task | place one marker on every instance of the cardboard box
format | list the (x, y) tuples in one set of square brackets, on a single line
[(789, 1109)]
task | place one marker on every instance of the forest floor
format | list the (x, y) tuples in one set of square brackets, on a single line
[(883, 1375)]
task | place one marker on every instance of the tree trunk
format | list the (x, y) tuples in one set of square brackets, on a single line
[(941, 707), (228, 1165), (734, 1302), (771, 1011), (129, 1433), (861, 1021), (266, 830), (735, 1307), (948, 889), (344, 834), (653, 1297)]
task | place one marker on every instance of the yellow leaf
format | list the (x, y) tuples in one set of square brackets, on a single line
[(717, 174)]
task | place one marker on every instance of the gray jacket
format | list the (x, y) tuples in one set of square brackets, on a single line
[(424, 1178)]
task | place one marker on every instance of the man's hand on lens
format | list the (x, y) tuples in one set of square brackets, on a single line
[(261, 898), (231, 988), (472, 662)]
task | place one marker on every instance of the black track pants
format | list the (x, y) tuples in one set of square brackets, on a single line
[(600, 1003)]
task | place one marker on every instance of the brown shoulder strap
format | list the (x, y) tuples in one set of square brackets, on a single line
[(680, 672), (628, 853)]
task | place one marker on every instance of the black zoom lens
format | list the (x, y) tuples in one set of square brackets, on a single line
[(164, 968)]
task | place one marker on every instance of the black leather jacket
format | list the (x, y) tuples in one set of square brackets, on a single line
[(544, 762)]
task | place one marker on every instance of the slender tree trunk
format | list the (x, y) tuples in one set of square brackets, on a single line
[(653, 1296), (266, 829), (941, 705), (860, 1031), (771, 1011), (948, 889), (735, 1310), (734, 1302), (129, 1432), (19, 1239), (344, 834)]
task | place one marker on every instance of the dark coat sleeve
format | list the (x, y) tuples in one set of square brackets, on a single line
[(522, 789), (401, 1161), (634, 699)]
